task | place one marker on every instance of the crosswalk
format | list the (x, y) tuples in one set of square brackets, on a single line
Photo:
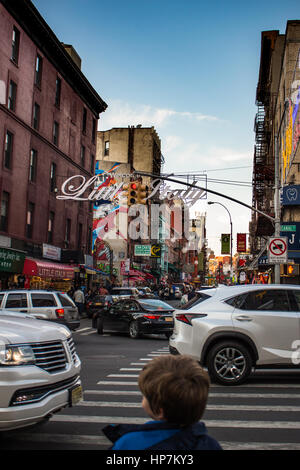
[(253, 416)]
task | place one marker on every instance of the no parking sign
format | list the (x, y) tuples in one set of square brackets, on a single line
[(277, 250)]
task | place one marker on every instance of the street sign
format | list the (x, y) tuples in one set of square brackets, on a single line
[(277, 250), (142, 250)]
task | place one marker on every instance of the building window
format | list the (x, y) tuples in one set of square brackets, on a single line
[(94, 129), (84, 116), (15, 46), (38, 70), (55, 133), (82, 155), (8, 150), (92, 164), (53, 177), (57, 92), (68, 232), (12, 95), (4, 212), (79, 237), (50, 227), (32, 165), (106, 148), (29, 220), (36, 116)]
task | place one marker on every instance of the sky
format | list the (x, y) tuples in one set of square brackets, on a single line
[(190, 69)]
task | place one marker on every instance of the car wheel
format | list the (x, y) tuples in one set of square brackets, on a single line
[(229, 363), (99, 326), (134, 330)]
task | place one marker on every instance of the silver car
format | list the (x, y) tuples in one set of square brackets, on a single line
[(42, 304), (233, 330)]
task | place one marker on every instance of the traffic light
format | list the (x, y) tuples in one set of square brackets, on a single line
[(130, 191), (290, 270), (141, 193)]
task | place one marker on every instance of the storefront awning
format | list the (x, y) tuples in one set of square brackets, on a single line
[(34, 267)]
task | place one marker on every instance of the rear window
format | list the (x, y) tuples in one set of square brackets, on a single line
[(156, 305), (122, 292), (199, 297), (65, 300), (43, 300)]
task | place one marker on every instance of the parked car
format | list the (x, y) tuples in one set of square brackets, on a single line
[(233, 330), (124, 293), (136, 317), (145, 293), (97, 302), (42, 304), (39, 369)]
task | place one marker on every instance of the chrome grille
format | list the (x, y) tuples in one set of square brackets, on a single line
[(50, 356), (72, 349)]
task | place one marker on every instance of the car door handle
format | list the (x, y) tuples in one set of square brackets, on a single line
[(243, 318)]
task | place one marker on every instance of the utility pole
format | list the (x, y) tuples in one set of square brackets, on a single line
[(277, 206)]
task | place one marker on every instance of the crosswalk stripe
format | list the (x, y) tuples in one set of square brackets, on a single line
[(211, 395), (118, 404), (123, 375), (102, 441), (209, 423), (111, 382)]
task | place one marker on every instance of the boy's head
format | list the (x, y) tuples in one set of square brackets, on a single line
[(175, 388)]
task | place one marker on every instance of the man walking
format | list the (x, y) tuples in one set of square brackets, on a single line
[(79, 300)]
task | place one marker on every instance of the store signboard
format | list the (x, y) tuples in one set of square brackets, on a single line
[(51, 252), (11, 261)]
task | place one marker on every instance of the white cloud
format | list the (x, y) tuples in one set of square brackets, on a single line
[(121, 114)]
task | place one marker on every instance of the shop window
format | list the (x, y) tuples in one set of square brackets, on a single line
[(43, 300), (16, 301)]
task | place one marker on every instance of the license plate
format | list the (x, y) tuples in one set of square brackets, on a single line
[(168, 318), (75, 395), (97, 304)]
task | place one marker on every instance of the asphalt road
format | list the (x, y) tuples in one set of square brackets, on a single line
[(263, 414)]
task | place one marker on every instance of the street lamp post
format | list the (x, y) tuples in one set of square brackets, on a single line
[(212, 202)]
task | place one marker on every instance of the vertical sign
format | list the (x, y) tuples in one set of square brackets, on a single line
[(241, 243), (225, 243)]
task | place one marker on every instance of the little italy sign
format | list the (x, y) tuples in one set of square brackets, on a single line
[(76, 187)]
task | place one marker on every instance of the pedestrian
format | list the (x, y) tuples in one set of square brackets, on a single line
[(79, 300), (175, 392)]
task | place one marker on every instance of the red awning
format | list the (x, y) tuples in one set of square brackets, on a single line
[(34, 267)]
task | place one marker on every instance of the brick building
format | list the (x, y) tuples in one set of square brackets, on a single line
[(48, 124)]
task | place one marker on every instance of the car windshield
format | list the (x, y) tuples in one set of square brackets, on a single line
[(155, 305)]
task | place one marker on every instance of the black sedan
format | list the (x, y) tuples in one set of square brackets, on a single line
[(96, 303), (136, 317)]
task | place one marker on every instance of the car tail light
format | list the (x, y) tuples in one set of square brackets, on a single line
[(188, 317), (60, 312), (152, 317)]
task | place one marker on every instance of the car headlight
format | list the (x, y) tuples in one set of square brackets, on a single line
[(13, 355)]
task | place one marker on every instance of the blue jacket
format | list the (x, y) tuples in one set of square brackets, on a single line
[(160, 435)]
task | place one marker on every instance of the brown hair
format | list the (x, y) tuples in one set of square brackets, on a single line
[(178, 385)]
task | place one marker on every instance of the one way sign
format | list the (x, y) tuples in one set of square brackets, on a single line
[(277, 250)]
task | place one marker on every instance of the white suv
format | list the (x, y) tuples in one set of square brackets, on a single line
[(233, 330), (39, 370), (43, 304)]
